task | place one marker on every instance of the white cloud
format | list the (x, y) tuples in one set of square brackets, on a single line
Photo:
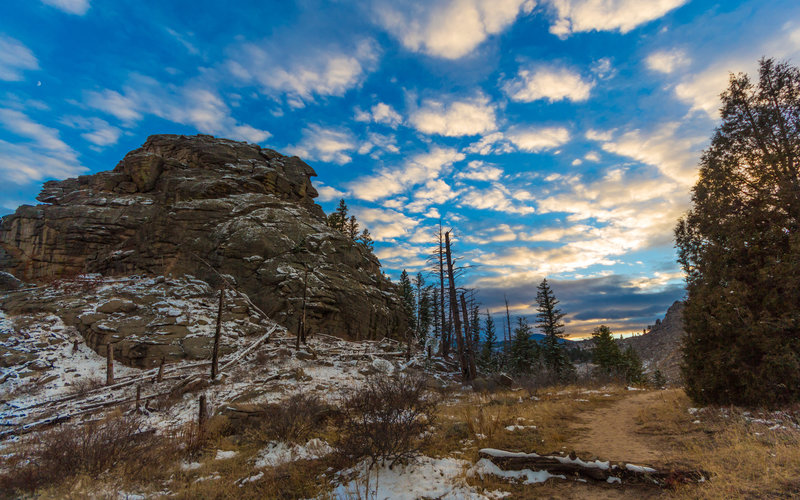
[(674, 154), (312, 71), (383, 113), (44, 156), (193, 104), (14, 59), (497, 198), (667, 61), (419, 169), (325, 144), (385, 224), (78, 7), (493, 143), (98, 132), (592, 156), (538, 139), (480, 171), (450, 29), (548, 82), (575, 16), (455, 118), (327, 193)]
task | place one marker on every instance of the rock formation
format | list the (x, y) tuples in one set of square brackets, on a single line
[(180, 200), (661, 346)]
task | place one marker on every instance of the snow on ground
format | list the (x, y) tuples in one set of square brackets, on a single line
[(486, 467), (279, 452), (444, 479)]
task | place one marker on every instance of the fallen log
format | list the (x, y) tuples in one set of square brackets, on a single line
[(596, 470)]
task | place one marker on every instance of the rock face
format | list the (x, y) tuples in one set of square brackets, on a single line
[(180, 200), (661, 346)]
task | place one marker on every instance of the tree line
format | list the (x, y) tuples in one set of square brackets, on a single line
[(341, 220)]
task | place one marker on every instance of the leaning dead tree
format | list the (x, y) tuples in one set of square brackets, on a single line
[(467, 365)]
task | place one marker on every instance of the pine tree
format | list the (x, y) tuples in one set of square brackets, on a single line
[(352, 228), (475, 325), (739, 245), (341, 215), (606, 353), (487, 360), (659, 381), (549, 322), (632, 365), (407, 296), (523, 352), (366, 239)]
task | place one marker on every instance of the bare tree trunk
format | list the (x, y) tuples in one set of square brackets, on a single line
[(138, 396), (160, 374), (109, 364), (75, 347), (454, 309), (470, 350), (444, 348), (508, 323), (202, 415), (217, 335)]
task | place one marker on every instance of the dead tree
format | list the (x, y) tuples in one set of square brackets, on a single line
[(202, 415), (444, 347), (469, 349), (160, 374), (465, 371), (109, 364), (217, 335), (508, 323)]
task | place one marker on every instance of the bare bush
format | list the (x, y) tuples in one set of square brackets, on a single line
[(294, 419), (386, 420), (92, 448)]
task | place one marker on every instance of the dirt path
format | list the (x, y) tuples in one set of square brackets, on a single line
[(610, 433)]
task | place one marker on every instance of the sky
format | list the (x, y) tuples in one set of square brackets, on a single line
[(557, 138)]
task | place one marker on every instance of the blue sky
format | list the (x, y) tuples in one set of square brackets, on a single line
[(558, 138)]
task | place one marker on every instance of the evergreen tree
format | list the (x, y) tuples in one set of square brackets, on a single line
[(524, 351), (632, 366), (407, 297), (605, 352), (366, 239), (549, 322), (475, 325), (341, 215), (659, 381), (739, 245), (487, 360), (352, 228)]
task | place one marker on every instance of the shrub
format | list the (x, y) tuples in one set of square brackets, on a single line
[(295, 419), (386, 420)]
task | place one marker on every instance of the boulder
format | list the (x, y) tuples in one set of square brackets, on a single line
[(117, 306), (9, 282), (179, 202)]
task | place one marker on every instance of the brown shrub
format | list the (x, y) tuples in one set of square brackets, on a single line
[(387, 419), (294, 419)]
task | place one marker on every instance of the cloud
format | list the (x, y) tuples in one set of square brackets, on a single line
[(306, 70), (419, 169), (378, 143), (78, 7), (493, 143), (194, 104), (455, 118), (325, 144), (548, 82), (496, 198), (328, 193), (667, 61), (480, 171), (575, 16), (43, 156), (675, 154), (15, 58), (450, 29), (535, 140), (385, 224), (95, 130), (380, 113)]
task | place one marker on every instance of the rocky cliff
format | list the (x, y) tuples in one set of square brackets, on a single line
[(180, 200), (661, 346)]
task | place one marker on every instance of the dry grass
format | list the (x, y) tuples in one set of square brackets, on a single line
[(744, 458)]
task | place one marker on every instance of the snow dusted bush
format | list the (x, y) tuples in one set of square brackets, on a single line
[(386, 420)]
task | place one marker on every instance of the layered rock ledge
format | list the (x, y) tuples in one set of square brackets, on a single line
[(180, 200)]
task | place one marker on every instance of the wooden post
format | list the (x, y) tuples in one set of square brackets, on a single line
[(160, 374), (202, 415), (75, 346), (109, 364), (217, 334)]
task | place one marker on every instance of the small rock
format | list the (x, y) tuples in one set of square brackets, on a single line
[(39, 365), (383, 366), (117, 306), (503, 380)]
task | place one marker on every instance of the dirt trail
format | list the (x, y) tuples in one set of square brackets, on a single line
[(610, 433)]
